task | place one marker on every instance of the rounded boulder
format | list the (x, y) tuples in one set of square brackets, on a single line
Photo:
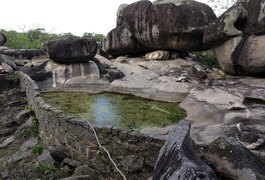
[(168, 24), (71, 50)]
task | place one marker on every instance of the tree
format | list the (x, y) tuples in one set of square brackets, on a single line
[(35, 37), (95, 36)]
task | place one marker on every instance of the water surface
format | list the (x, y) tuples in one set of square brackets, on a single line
[(118, 110)]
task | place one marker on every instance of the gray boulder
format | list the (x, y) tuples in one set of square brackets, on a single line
[(62, 73), (237, 38), (7, 63), (173, 25), (71, 51), (144, 26), (120, 41), (179, 159), (6, 67), (2, 39), (233, 160)]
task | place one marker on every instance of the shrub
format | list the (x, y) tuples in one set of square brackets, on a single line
[(207, 58)]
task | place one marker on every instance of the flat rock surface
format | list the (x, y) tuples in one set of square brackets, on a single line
[(216, 110)]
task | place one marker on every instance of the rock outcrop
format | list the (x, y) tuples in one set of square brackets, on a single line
[(234, 161), (23, 54), (179, 159), (71, 51), (237, 38), (176, 25)]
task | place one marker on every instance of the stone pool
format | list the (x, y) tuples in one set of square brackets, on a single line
[(122, 111)]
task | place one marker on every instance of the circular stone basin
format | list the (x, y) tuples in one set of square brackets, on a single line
[(117, 110)]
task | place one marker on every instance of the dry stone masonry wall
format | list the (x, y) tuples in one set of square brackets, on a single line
[(134, 153)]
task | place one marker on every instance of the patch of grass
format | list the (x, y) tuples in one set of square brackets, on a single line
[(12, 77), (49, 171), (207, 58), (28, 107)]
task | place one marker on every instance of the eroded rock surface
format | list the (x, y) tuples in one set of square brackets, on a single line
[(72, 73), (179, 159)]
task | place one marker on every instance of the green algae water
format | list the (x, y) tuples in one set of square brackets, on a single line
[(117, 110)]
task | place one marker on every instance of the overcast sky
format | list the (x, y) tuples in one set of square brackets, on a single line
[(61, 16)]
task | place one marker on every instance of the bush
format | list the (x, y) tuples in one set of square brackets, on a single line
[(207, 58)]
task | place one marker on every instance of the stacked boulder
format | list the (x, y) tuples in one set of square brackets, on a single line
[(237, 37), (71, 59), (176, 25), (71, 50)]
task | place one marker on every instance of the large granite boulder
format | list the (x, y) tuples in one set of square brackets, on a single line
[(2, 39), (166, 25), (175, 24), (120, 41), (237, 38), (71, 50), (179, 159)]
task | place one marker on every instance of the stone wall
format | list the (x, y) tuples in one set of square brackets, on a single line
[(134, 153)]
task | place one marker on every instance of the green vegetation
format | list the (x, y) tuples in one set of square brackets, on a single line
[(12, 78), (34, 38), (96, 37), (50, 171), (118, 110), (28, 107), (207, 58), (32, 130), (38, 150)]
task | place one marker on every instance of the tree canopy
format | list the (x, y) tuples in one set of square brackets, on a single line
[(33, 39)]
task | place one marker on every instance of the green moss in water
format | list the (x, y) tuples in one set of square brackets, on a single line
[(118, 110)]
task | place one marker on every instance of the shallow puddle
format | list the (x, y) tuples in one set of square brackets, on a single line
[(118, 110)]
